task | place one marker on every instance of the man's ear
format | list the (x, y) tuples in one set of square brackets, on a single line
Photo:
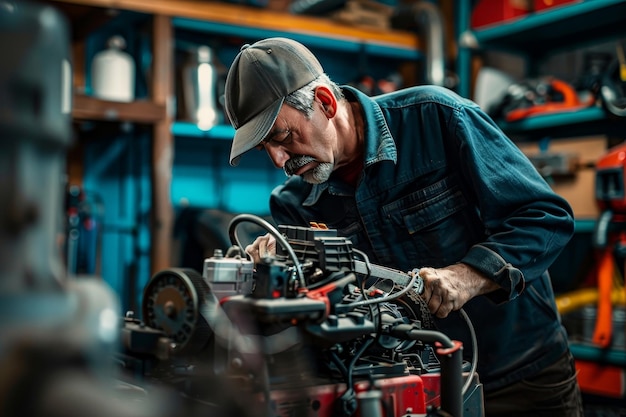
[(327, 99)]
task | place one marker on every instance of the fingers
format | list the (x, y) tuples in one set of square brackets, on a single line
[(439, 295), (262, 247), (253, 252)]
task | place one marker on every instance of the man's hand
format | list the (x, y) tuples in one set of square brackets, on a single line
[(448, 289), (263, 246)]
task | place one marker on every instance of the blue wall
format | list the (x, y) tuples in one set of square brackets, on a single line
[(117, 171), (202, 177)]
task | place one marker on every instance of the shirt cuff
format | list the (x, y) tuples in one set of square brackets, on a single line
[(510, 279)]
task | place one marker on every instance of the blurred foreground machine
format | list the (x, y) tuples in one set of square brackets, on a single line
[(314, 331), (58, 335)]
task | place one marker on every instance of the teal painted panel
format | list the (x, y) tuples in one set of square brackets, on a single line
[(596, 354), (202, 177), (117, 170)]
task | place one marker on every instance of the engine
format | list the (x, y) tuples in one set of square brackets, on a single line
[(316, 330)]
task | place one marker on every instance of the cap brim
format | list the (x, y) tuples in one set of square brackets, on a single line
[(252, 133)]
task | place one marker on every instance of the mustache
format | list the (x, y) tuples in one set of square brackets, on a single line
[(295, 163)]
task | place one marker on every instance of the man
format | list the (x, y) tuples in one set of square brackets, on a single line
[(420, 178)]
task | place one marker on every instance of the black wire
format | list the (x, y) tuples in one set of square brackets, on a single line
[(340, 365), (393, 296), (375, 317), (368, 266), (280, 239), (474, 351), (356, 357), (348, 371)]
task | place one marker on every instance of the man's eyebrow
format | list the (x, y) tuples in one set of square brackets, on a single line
[(275, 131)]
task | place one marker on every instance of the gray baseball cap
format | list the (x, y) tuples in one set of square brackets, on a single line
[(259, 79)]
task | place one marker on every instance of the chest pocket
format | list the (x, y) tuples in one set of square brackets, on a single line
[(436, 220), (426, 207)]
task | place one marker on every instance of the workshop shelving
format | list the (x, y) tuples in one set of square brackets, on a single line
[(555, 120), (534, 37), (537, 35), (582, 122), (551, 30)]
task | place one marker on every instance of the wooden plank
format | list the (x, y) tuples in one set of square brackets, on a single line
[(139, 111), (78, 58), (259, 18), (74, 164), (163, 144)]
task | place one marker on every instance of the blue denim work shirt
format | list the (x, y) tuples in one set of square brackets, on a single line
[(442, 184)]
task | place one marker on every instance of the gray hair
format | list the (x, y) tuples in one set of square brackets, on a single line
[(302, 98)]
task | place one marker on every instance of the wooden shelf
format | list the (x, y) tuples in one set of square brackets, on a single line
[(324, 41), (263, 19), (91, 108)]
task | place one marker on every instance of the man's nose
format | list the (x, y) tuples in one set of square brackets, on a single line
[(278, 155)]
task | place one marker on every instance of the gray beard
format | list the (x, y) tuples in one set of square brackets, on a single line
[(317, 175)]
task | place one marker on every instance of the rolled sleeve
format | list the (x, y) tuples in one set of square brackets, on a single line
[(509, 278)]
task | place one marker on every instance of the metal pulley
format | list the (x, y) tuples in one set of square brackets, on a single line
[(172, 302)]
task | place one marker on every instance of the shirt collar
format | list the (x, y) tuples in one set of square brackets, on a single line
[(379, 144)]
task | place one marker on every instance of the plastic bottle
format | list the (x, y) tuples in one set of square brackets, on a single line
[(113, 72)]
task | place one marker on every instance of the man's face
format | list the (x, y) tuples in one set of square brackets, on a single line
[(302, 146)]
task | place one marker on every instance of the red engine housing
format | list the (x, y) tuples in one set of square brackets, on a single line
[(400, 396)]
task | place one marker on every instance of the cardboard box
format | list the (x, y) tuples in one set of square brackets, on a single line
[(579, 187)]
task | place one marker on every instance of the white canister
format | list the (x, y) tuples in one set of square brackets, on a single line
[(113, 72)]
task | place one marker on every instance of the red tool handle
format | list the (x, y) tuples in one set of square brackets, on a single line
[(604, 319)]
